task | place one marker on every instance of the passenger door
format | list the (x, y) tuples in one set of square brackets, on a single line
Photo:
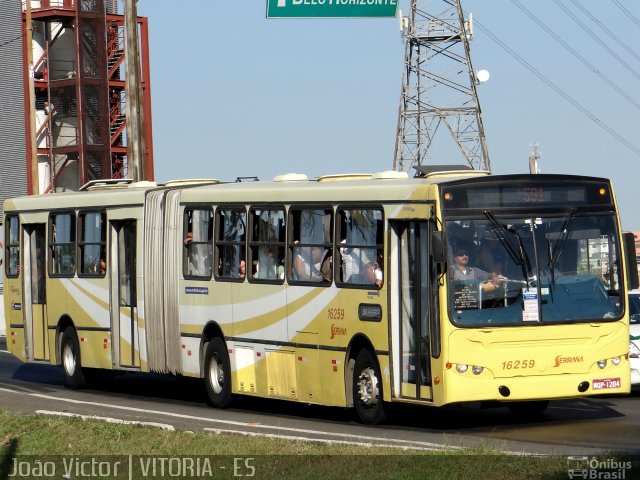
[(124, 311), (411, 309), (34, 291)]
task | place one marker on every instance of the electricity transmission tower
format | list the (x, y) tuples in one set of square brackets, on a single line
[(439, 90)]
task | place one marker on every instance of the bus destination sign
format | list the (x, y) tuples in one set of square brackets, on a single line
[(331, 8)]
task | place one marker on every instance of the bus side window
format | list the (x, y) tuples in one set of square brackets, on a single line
[(198, 236), (230, 243), (12, 247), (310, 245), (360, 247), (62, 244), (266, 245), (92, 243)]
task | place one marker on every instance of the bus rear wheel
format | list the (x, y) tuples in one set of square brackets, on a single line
[(367, 389), (217, 374), (71, 363)]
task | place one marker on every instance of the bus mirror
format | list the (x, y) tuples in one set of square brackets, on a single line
[(438, 247), (631, 260)]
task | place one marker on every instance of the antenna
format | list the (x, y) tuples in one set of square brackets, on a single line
[(533, 159), (438, 100)]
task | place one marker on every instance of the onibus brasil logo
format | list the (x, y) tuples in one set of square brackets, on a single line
[(597, 468)]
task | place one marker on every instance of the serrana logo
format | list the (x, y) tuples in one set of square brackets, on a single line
[(335, 330), (560, 360)]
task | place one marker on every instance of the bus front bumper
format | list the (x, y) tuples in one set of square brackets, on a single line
[(468, 387)]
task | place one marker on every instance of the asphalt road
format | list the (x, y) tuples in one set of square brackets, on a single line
[(569, 427)]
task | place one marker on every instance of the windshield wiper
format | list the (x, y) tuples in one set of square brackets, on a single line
[(519, 256), (556, 249)]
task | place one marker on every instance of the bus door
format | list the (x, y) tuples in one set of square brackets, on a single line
[(124, 312), (411, 304), (33, 287)]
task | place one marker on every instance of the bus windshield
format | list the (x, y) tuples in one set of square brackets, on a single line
[(521, 270)]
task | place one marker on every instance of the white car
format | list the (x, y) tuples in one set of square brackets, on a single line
[(634, 332)]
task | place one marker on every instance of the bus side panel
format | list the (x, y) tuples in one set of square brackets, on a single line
[(87, 304), (95, 349), (14, 317), (337, 322)]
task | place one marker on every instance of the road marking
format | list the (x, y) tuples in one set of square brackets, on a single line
[(368, 440), (163, 426), (399, 443), (328, 441)]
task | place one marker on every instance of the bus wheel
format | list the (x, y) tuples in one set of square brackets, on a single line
[(528, 409), (71, 365), (367, 389), (217, 374)]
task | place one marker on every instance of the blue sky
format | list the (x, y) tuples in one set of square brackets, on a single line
[(236, 94)]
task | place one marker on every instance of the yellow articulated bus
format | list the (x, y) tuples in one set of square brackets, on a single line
[(344, 290)]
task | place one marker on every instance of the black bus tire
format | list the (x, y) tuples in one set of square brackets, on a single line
[(367, 389), (70, 359), (217, 374)]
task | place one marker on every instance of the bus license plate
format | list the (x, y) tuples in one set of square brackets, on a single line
[(603, 383)]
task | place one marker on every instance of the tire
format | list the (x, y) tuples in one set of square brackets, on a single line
[(217, 374), (532, 409), (367, 389), (71, 363)]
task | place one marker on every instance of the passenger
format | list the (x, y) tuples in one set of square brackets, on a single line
[(266, 268), (311, 264), (359, 269), (350, 268), (199, 256), (378, 269), (188, 239)]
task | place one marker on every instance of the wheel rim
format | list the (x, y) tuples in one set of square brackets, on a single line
[(216, 374), (69, 360), (368, 389)]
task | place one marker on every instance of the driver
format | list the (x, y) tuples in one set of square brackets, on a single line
[(460, 270)]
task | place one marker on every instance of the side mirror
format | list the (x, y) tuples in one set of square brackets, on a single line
[(631, 261), (438, 247)]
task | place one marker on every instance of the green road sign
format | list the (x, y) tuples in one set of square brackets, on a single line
[(331, 8)]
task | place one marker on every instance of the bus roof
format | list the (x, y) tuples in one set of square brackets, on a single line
[(287, 188)]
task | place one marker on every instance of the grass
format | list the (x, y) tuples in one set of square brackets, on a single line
[(196, 454)]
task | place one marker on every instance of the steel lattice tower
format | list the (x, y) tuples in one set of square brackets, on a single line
[(438, 90)]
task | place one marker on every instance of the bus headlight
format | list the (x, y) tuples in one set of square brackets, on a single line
[(602, 363), (615, 361), (477, 370), (634, 351), (461, 367)]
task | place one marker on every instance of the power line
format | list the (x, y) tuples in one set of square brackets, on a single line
[(629, 14), (596, 38), (595, 20), (571, 50), (558, 90)]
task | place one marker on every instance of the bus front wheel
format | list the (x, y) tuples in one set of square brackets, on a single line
[(217, 374), (71, 364), (367, 389)]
